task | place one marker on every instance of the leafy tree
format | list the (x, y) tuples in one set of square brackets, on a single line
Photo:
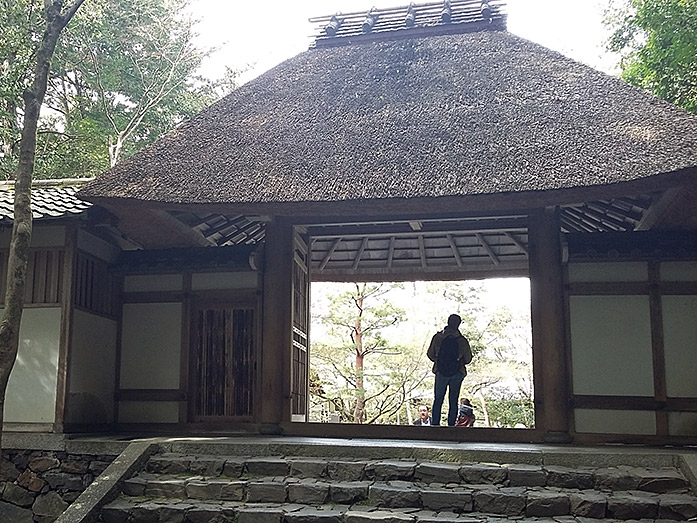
[(658, 43), (56, 16), (356, 318), (123, 75)]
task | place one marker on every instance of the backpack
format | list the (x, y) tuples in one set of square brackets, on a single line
[(448, 360)]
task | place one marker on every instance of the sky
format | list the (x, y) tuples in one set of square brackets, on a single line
[(257, 36)]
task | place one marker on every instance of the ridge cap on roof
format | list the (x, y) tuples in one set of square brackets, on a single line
[(51, 182)]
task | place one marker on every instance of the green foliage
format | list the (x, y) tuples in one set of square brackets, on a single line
[(510, 410), (658, 42), (123, 74)]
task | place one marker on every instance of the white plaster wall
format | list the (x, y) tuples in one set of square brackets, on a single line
[(148, 412), (604, 272), (151, 345), (682, 423), (611, 345), (153, 282), (679, 271), (92, 369), (680, 345), (615, 421), (224, 280), (31, 391)]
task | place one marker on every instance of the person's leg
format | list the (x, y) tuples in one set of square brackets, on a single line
[(440, 384), (454, 384)]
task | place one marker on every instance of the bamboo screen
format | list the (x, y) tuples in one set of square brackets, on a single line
[(225, 365)]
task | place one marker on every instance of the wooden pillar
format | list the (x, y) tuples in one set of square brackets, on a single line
[(548, 326), (276, 325)]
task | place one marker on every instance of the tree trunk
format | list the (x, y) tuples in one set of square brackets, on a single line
[(359, 412), (56, 20)]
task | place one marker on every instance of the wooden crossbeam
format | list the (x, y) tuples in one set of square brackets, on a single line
[(422, 251), (516, 242), (357, 259), (390, 252), (488, 249), (456, 252), (331, 250)]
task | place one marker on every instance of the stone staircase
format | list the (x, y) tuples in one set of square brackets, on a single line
[(180, 487)]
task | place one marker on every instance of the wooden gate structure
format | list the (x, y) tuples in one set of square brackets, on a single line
[(438, 149)]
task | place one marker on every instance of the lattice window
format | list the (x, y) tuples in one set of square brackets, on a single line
[(95, 287)]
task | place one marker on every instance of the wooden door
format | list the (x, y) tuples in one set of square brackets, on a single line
[(300, 329), (224, 365)]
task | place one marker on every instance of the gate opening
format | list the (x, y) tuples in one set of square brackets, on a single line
[(368, 362)]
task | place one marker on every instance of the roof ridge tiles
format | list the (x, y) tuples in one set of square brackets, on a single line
[(424, 19)]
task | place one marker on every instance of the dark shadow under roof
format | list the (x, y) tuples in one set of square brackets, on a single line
[(474, 114)]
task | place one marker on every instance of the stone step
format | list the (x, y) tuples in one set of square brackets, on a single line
[(134, 510), (619, 478), (393, 494)]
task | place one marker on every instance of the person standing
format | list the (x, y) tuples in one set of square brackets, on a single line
[(450, 353)]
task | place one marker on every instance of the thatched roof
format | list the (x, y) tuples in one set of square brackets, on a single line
[(473, 115)]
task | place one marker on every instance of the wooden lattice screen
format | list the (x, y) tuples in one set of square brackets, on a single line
[(225, 364), (44, 276), (299, 371), (95, 286)]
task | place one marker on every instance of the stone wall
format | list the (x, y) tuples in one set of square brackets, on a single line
[(37, 486)]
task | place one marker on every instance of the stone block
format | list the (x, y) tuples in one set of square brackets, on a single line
[(15, 514), (8, 471), (628, 506), (565, 477), (49, 504), (349, 492), (134, 486), (526, 476), (166, 488), (260, 515), (234, 467), (169, 464), (346, 470), (615, 478), (145, 513), (677, 507), (75, 466), (98, 466), (18, 495), (312, 515), (310, 492), (209, 514), (390, 470), (437, 472), (308, 468), (65, 481), (201, 489), (116, 512), (508, 501), (480, 474), (43, 463), (662, 481), (266, 492), (233, 491), (268, 466), (546, 504), (30, 481), (377, 516), (587, 504), (207, 466), (456, 500), (394, 496)]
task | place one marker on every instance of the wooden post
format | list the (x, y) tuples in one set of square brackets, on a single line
[(276, 325), (548, 326)]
